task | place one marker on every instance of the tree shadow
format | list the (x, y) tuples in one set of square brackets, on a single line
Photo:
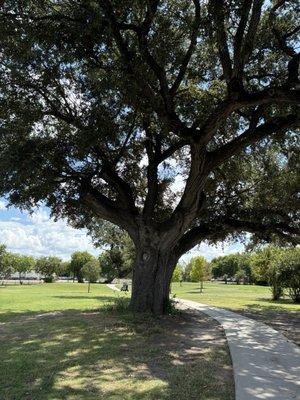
[(274, 302), (195, 291), (100, 298), (87, 355)]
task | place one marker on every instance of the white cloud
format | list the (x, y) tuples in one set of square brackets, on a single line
[(2, 205), (39, 235)]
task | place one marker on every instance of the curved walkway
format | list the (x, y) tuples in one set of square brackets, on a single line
[(266, 365)]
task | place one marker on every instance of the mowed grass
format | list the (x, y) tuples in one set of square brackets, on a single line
[(232, 296), (60, 343), (51, 297), (250, 300)]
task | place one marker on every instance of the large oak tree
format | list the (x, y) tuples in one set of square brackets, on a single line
[(175, 120)]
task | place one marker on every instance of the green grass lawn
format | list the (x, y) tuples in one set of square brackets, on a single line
[(60, 343), (249, 300), (232, 296), (51, 297)]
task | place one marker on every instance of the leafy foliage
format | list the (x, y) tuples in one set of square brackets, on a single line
[(91, 271), (174, 120), (274, 266), (48, 267), (200, 269), (78, 261), (177, 274), (22, 264), (117, 261), (89, 89)]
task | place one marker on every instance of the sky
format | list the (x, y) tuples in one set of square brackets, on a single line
[(39, 235)]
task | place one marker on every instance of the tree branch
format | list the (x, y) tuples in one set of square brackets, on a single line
[(189, 53), (274, 95), (239, 36), (252, 30), (218, 9), (152, 175), (251, 136), (293, 64), (219, 229), (106, 209)]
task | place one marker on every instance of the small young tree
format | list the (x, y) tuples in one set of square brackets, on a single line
[(177, 274), (276, 280), (91, 272), (199, 270), (48, 267), (78, 260), (239, 276), (186, 276)]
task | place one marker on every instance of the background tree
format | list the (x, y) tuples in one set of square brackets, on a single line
[(177, 274), (200, 270), (225, 265), (117, 261), (91, 272), (262, 261), (48, 267), (78, 260), (291, 273), (22, 264), (6, 269), (235, 266), (187, 272), (104, 104), (239, 276), (65, 269)]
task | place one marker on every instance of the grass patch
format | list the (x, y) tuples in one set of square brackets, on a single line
[(249, 300), (235, 297), (59, 342)]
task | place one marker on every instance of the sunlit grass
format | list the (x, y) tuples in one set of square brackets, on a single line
[(232, 296), (60, 343)]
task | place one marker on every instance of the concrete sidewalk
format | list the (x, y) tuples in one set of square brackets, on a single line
[(266, 365)]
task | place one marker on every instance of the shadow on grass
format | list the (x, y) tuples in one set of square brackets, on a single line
[(274, 302), (84, 297), (96, 355), (195, 291)]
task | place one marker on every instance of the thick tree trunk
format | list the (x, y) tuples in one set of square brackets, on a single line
[(151, 281)]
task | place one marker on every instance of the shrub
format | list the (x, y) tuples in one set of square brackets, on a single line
[(290, 264), (275, 276), (49, 279), (117, 305)]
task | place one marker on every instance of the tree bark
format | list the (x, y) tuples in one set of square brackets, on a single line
[(151, 280)]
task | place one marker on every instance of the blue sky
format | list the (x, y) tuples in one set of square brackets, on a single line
[(38, 235)]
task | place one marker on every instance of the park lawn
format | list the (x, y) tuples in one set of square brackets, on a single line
[(51, 297), (59, 342), (232, 296), (250, 300)]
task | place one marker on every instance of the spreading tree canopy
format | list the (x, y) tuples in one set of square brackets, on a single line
[(175, 120)]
